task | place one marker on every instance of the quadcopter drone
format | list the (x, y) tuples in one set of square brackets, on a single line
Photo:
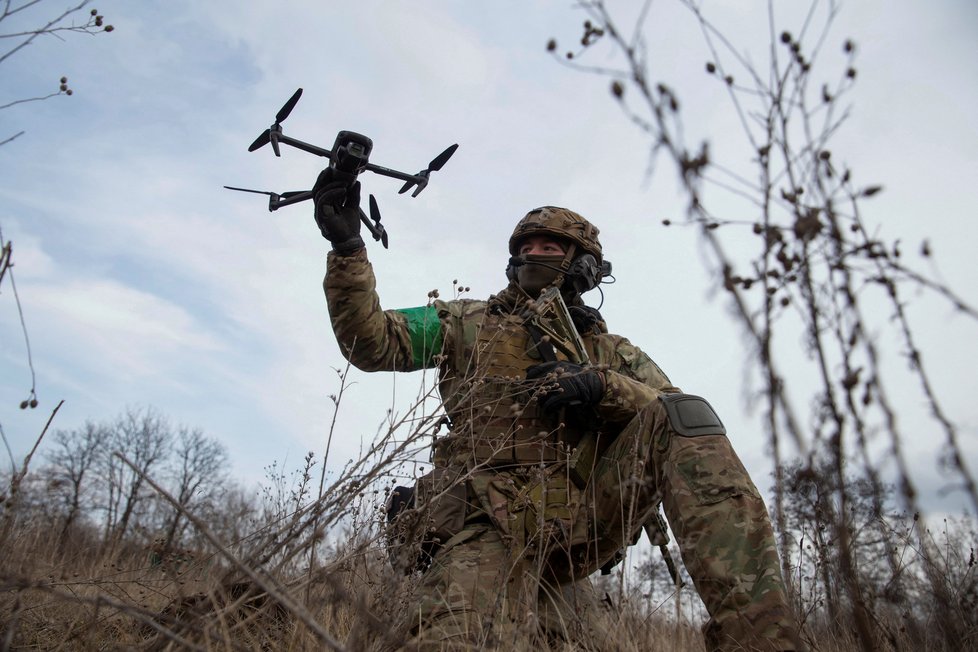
[(348, 158)]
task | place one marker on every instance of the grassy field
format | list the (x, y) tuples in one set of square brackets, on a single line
[(86, 596)]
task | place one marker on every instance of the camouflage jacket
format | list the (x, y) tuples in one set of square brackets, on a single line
[(481, 350)]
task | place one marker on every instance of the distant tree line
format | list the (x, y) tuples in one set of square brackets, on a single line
[(84, 491)]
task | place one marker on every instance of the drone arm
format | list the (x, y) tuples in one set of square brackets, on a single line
[(387, 172), (276, 202), (306, 147)]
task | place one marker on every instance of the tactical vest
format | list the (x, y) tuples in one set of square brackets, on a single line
[(496, 420)]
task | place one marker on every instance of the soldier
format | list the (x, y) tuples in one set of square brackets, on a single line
[(564, 441)]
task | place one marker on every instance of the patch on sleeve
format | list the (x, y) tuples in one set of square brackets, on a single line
[(424, 328)]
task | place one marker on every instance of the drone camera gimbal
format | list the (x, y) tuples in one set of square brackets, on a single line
[(351, 152)]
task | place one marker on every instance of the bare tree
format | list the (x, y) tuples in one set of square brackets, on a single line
[(73, 461), (143, 436), (199, 473)]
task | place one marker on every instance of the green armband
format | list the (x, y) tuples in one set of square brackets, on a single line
[(424, 328)]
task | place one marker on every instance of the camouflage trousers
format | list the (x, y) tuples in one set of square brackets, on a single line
[(533, 540), (475, 597)]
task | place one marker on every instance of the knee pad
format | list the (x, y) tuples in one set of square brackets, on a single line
[(692, 416)]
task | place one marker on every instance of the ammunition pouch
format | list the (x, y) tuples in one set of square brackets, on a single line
[(692, 416), (539, 510), (550, 511)]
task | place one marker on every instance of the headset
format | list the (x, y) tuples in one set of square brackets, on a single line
[(584, 274)]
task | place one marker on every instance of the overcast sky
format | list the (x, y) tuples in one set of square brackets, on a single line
[(144, 282)]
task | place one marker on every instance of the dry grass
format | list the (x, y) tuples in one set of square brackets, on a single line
[(91, 599), (97, 601), (311, 572)]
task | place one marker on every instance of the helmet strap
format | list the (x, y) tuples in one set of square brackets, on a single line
[(569, 256), (565, 265)]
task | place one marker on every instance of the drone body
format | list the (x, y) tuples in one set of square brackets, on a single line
[(348, 158)]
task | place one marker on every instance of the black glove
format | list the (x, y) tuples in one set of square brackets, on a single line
[(337, 211), (586, 319), (565, 384)]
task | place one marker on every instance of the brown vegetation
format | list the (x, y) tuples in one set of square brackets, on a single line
[(286, 569)]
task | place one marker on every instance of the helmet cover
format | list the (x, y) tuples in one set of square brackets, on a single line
[(560, 223)]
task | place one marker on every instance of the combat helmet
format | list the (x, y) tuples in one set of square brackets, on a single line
[(561, 223), (583, 265)]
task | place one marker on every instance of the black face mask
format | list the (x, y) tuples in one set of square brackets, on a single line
[(538, 272)]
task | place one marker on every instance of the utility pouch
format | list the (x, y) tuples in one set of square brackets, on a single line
[(442, 500), (549, 513), (582, 460), (546, 504)]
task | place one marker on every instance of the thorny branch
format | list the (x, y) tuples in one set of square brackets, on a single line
[(93, 24)]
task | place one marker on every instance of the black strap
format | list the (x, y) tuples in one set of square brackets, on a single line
[(542, 344)]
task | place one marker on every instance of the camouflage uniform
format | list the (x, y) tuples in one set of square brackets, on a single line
[(526, 505)]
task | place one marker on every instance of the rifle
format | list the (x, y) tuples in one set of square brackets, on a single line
[(551, 327)]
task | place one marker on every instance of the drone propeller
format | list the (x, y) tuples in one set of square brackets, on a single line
[(261, 141), (435, 165), (278, 199), (283, 195), (257, 192), (288, 106), (378, 231), (440, 160), (270, 135)]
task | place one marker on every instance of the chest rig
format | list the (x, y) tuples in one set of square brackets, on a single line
[(496, 420)]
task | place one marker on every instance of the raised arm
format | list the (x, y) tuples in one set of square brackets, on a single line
[(372, 338)]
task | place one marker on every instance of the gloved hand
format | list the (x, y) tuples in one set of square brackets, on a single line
[(585, 318), (337, 211), (565, 384)]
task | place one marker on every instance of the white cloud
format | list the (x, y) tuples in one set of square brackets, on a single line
[(124, 331)]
